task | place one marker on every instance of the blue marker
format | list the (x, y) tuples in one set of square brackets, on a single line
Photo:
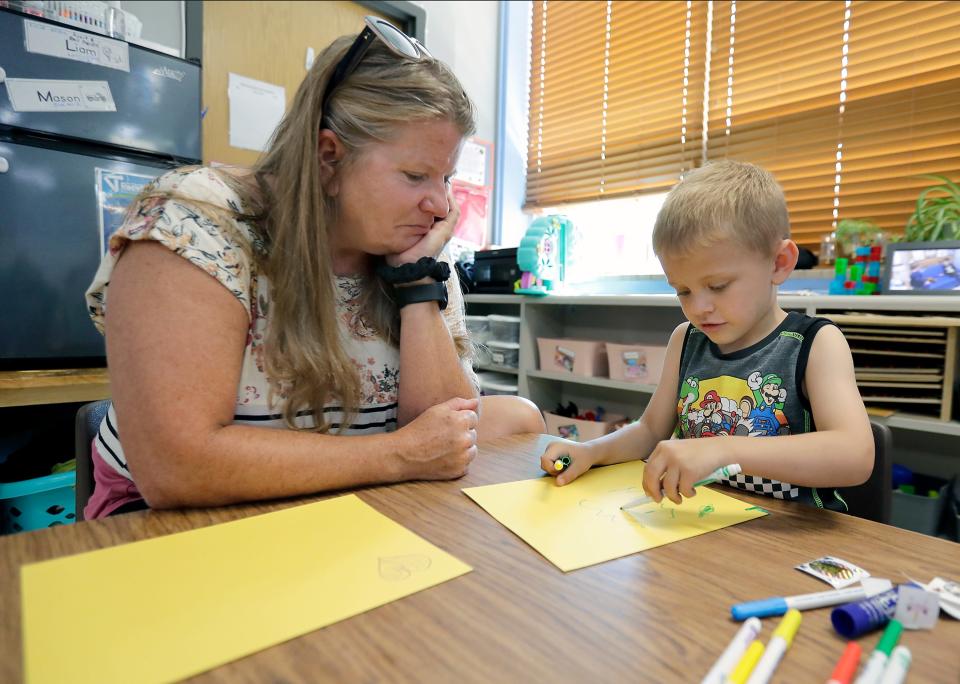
[(779, 605)]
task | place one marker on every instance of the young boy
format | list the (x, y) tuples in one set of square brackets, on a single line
[(742, 367)]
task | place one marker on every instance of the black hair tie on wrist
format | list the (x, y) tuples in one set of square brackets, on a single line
[(424, 267)]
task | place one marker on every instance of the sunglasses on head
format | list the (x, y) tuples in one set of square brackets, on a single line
[(398, 42)]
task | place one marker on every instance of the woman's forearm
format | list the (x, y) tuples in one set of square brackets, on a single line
[(430, 369), (237, 463)]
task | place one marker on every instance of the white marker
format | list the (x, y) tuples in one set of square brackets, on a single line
[(725, 471), (779, 643), (734, 651), (897, 666), (874, 669)]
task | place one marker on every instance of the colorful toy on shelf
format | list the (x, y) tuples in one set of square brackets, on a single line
[(541, 255), (862, 276)]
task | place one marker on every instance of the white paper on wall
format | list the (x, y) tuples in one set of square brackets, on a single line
[(256, 108)]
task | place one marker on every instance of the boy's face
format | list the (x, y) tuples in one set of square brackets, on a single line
[(729, 292)]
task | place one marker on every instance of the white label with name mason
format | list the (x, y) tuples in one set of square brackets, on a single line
[(44, 95), (56, 41)]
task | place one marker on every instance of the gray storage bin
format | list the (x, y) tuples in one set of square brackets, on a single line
[(920, 512)]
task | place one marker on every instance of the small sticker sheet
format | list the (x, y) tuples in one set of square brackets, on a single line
[(834, 571), (949, 593), (917, 608)]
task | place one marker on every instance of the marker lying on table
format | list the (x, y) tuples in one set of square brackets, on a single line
[(898, 664), (778, 645), (562, 463), (781, 604), (725, 471), (873, 670), (734, 651), (747, 662), (847, 665)]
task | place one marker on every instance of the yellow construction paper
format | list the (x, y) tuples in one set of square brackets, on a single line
[(171, 607), (581, 523)]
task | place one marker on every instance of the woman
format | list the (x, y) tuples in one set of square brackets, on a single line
[(324, 288)]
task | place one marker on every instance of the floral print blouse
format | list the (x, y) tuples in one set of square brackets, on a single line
[(218, 250)]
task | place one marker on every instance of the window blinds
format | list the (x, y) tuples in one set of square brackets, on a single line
[(615, 98), (846, 102)]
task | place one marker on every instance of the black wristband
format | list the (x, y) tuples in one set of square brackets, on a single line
[(414, 294), (425, 267)]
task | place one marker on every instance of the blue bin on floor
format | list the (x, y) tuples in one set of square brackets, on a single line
[(34, 504)]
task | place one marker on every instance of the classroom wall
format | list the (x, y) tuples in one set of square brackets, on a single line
[(266, 41), (162, 20), (464, 35)]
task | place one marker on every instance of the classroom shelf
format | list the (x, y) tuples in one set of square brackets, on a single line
[(907, 421), (905, 357), (593, 382)]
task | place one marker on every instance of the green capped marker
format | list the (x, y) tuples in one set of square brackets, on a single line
[(562, 463), (727, 471)]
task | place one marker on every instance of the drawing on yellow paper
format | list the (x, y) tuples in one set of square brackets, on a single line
[(581, 524)]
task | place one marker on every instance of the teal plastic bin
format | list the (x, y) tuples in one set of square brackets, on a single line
[(45, 501)]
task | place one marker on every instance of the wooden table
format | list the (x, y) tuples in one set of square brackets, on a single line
[(62, 386), (661, 615)]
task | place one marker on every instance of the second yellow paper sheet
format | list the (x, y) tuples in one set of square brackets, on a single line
[(581, 524), (170, 607)]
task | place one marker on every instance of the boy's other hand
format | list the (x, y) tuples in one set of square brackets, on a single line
[(676, 464), (582, 458)]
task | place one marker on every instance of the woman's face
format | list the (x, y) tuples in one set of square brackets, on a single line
[(391, 193)]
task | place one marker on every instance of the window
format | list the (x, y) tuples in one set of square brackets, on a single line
[(615, 98), (847, 102)]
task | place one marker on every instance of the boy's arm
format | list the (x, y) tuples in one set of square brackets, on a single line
[(636, 440), (838, 454)]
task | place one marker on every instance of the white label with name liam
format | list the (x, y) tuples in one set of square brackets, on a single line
[(44, 95), (57, 41)]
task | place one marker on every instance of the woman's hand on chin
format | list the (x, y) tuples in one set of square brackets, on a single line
[(433, 242)]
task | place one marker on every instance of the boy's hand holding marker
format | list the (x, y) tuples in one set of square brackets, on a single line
[(574, 459)]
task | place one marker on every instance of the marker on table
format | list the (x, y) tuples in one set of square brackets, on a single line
[(746, 664), (725, 471), (847, 665), (781, 604), (896, 670), (778, 645), (562, 463), (734, 651), (873, 670)]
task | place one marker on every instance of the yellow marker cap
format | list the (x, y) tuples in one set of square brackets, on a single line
[(558, 464), (788, 626), (749, 660)]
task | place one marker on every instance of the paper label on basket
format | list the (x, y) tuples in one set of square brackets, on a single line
[(917, 608), (949, 593), (569, 432), (564, 358), (498, 357), (635, 364), (834, 571)]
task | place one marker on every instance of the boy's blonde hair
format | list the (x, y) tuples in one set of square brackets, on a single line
[(724, 200)]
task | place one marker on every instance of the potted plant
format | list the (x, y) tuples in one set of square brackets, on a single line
[(937, 216), (853, 233)]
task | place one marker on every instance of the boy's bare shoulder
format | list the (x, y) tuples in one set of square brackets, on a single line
[(829, 337)]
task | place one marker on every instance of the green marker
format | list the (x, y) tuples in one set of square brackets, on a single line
[(725, 471), (562, 463), (873, 670)]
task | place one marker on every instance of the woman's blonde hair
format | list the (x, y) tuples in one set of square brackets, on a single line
[(286, 204), (723, 200)]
